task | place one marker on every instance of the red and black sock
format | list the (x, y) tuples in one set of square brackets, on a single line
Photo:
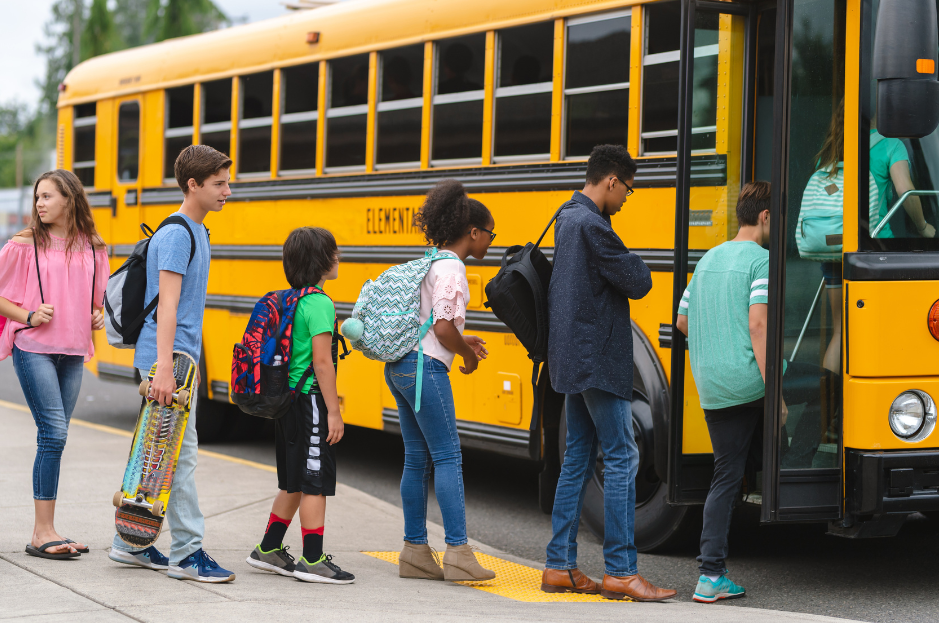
[(274, 533), (313, 544)]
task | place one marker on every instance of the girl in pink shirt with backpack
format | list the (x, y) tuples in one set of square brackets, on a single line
[(52, 284)]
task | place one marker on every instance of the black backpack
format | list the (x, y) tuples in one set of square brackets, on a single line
[(519, 296), (125, 311)]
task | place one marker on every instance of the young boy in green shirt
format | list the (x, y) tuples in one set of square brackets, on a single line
[(307, 469), (724, 311)]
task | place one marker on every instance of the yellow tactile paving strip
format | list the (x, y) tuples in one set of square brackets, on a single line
[(513, 581)]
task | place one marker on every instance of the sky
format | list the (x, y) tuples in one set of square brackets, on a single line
[(22, 28)]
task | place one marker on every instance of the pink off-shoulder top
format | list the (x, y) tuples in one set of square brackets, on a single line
[(66, 285)]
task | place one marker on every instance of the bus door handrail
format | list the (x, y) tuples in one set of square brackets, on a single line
[(897, 205), (810, 313)]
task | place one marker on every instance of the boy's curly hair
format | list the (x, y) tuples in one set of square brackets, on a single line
[(448, 212)]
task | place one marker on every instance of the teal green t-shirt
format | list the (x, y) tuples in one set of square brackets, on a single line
[(882, 156), (314, 315), (727, 281)]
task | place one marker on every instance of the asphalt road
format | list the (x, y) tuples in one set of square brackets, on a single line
[(795, 568)]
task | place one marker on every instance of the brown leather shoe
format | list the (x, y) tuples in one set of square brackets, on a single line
[(571, 581), (633, 587)]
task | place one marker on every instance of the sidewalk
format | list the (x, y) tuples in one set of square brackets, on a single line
[(235, 496)]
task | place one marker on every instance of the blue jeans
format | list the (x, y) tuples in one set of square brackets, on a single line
[(50, 385), (431, 439), (187, 525), (596, 418)]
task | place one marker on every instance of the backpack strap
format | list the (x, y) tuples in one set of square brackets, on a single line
[(170, 220), (433, 254), (39, 279)]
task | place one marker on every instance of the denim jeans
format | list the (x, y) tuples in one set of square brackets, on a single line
[(596, 418), (50, 385), (736, 434), (187, 525), (431, 440)]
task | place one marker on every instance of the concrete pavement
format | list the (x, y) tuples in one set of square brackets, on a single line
[(235, 496)]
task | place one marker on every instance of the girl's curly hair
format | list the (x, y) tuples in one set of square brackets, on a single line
[(448, 212)]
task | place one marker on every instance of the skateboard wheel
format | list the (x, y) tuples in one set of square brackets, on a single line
[(116, 500), (157, 508), (183, 397), (144, 388)]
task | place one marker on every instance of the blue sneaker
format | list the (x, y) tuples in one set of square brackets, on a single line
[(150, 558), (708, 591), (201, 567)]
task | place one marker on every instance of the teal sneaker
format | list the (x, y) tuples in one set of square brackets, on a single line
[(708, 591)]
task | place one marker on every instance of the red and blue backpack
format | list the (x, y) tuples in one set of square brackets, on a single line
[(261, 362)]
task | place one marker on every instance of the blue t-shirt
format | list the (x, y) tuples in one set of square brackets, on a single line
[(170, 250)]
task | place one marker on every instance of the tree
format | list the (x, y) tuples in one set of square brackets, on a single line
[(167, 19), (129, 17), (60, 32), (98, 34)]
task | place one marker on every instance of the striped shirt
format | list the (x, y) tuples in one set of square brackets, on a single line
[(728, 280)]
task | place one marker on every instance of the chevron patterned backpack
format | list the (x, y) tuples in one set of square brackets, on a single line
[(385, 322)]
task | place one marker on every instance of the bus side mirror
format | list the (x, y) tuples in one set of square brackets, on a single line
[(905, 65)]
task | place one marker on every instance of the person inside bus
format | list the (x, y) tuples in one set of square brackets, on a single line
[(889, 168), (397, 76), (724, 312), (458, 60), (591, 361), (459, 227)]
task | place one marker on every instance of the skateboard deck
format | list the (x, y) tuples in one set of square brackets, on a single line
[(142, 501)]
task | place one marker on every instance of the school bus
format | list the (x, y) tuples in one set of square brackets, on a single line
[(344, 116)]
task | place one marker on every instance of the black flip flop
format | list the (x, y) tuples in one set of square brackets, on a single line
[(82, 550), (40, 552)]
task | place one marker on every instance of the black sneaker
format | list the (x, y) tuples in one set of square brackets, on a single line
[(322, 571), (277, 560)]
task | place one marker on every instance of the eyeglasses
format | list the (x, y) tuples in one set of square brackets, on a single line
[(492, 235), (630, 191)]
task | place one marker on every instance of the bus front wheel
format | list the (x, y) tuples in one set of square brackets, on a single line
[(657, 525)]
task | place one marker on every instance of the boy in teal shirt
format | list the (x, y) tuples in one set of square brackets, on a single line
[(724, 311)]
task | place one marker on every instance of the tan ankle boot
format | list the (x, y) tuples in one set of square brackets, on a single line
[(419, 562), (460, 565)]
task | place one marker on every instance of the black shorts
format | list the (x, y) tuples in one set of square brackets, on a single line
[(305, 460)]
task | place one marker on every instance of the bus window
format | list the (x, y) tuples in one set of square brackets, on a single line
[(898, 167), (661, 79), (299, 118), (128, 141), (179, 131), (83, 133), (523, 107), (458, 103), (812, 381), (255, 104), (216, 103), (399, 110), (597, 82), (347, 110)]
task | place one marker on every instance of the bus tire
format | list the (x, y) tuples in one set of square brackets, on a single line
[(657, 525)]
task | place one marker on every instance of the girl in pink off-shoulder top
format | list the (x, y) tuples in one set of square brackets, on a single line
[(52, 283)]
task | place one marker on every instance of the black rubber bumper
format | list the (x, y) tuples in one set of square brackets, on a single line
[(891, 482)]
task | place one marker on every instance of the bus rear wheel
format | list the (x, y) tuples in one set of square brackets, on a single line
[(657, 525)]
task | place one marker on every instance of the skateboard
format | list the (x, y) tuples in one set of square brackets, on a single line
[(142, 501)]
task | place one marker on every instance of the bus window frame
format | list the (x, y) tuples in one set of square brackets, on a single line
[(179, 132), (295, 117), (536, 88), (477, 95), (254, 122), (84, 122), (566, 92), (381, 106), (331, 112), (139, 100)]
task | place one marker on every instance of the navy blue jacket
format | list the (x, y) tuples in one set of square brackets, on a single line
[(594, 276)]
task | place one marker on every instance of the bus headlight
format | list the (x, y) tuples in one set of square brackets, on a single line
[(913, 415)]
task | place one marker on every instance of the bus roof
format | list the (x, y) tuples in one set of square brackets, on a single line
[(345, 28)]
